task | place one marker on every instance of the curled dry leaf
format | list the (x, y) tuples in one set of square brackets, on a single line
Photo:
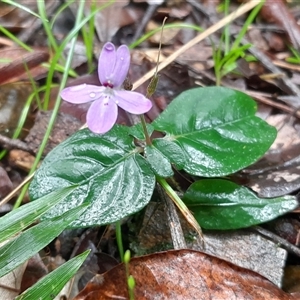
[(17, 61), (277, 12), (182, 274)]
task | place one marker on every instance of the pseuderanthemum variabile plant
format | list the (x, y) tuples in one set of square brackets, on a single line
[(206, 132), (113, 67)]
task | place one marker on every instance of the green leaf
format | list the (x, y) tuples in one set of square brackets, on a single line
[(22, 217), (171, 150), (109, 173), (161, 154), (50, 285), (221, 204), (138, 132), (29, 242), (159, 163), (216, 129)]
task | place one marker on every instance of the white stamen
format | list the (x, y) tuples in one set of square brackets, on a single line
[(92, 95), (117, 102), (122, 58)]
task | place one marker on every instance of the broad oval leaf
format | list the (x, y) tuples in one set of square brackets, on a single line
[(217, 129), (110, 174), (222, 204)]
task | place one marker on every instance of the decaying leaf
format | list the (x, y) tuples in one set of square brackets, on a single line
[(182, 274)]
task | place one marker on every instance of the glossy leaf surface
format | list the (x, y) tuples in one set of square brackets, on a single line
[(138, 132), (159, 163), (110, 174), (222, 204), (171, 150), (216, 129)]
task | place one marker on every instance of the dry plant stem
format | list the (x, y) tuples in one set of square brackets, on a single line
[(173, 220), (180, 205), (286, 65), (240, 11), (261, 98), (13, 192), (277, 239)]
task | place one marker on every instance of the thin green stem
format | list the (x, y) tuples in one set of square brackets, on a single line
[(144, 125), (119, 240)]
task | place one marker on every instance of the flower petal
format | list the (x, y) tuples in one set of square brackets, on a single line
[(102, 115), (107, 62), (132, 102), (82, 93), (122, 66)]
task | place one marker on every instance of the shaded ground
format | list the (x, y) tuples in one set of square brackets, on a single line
[(268, 71)]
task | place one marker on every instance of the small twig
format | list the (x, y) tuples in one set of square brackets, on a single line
[(277, 239), (148, 14), (267, 62), (173, 220), (8, 143), (13, 192)]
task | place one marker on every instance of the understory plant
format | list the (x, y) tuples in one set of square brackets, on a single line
[(107, 172), (207, 132)]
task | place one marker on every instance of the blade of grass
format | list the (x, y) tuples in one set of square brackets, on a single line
[(46, 25), (88, 33), (17, 251), (20, 218), (21, 7), (248, 22), (15, 39), (50, 285)]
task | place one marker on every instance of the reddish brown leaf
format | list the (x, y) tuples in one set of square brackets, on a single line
[(276, 11), (182, 274), (15, 60)]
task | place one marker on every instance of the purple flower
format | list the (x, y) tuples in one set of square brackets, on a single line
[(113, 67)]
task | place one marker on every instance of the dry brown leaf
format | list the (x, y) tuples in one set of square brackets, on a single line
[(16, 61), (109, 20), (182, 274), (277, 11)]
